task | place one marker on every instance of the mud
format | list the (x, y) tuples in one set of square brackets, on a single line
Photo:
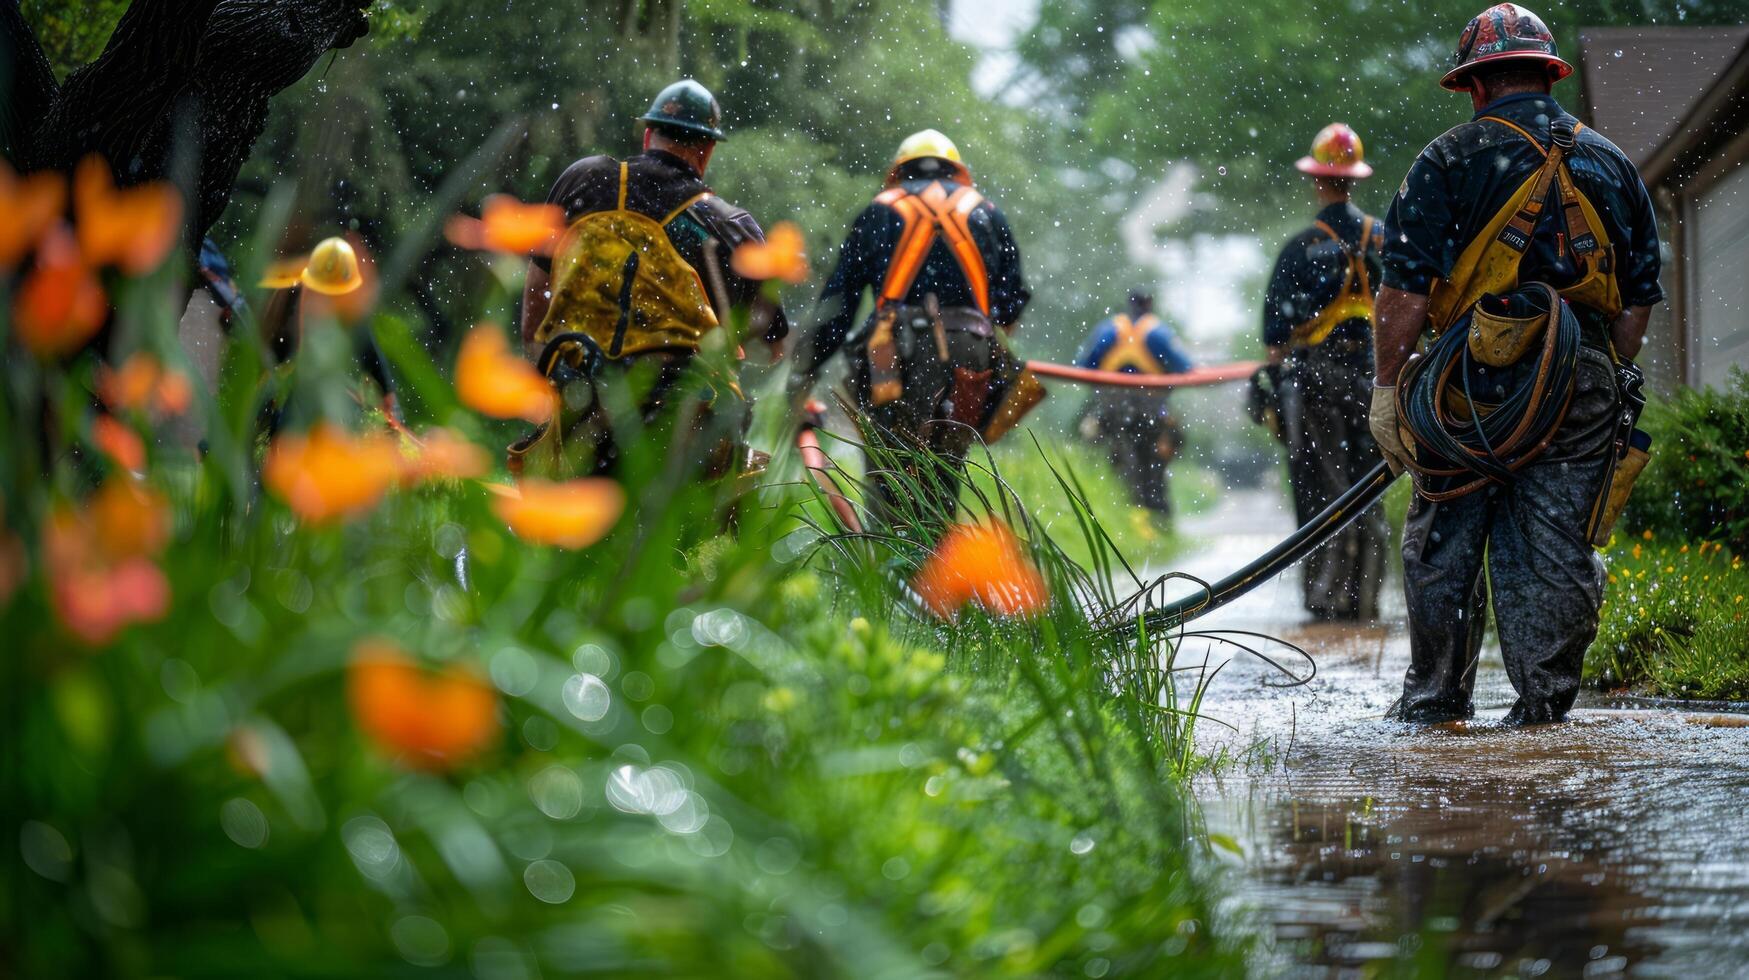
[(1611, 845)]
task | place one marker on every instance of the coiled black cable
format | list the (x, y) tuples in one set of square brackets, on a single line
[(1454, 454)]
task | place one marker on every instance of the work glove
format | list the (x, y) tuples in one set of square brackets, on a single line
[(1382, 420)]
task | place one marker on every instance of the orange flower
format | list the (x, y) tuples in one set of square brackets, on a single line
[(60, 304), (132, 229), (442, 454), (30, 204), (101, 574), (328, 475), (982, 562), (780, 256), (119, 443), (492, 381), (509, 226), (424, 720), (574, 514), (142, 384)]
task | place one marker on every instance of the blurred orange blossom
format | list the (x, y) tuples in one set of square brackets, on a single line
[(31, 204), (328, 474), (99, 560), (132, 229), (120, 443), (509, 226), (143, 384), (982, 562), (492, 381), (424, 720), (60, 304), (441, 454), (573, 514), (780, 256)]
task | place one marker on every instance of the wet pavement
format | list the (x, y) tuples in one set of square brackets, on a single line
[(1613, 845)]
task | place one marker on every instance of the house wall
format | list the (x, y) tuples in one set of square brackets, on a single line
[(1716, 209)]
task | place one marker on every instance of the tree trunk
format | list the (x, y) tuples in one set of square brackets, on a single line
[(180, 91)]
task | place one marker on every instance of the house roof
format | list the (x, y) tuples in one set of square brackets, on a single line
[(1641, 83)]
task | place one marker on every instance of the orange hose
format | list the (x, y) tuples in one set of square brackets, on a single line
[(819, 467), (1194, 378)]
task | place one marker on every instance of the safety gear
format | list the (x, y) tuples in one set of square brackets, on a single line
[(1336, 152), (1354, 300), (1130, 348), (929, 144), (1489, 264), (927, 214), (1386, 431), (687, 105), (1503, 32), (332, 269), (1632, 450), (618, 279)]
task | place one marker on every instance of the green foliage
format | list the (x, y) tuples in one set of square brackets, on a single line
[(1696, 485), (1675, 620), (1240, 90)]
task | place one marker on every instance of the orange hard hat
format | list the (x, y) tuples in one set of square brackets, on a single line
[(1336, 152)]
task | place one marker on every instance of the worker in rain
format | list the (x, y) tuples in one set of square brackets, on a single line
[(1135, 423), (1525, 244), (929, 367), (641, 275), (1317, 326)]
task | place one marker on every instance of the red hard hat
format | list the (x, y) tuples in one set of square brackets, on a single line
[(1504, 32), (1336, 152)]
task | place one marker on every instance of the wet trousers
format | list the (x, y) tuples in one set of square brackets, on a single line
[(1545, 583), (1325, 394), (917, 449), (1140, 437)]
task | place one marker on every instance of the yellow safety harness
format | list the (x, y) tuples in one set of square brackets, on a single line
[(1354, 300), (618, 279), (1130, 348), (1489, 264)]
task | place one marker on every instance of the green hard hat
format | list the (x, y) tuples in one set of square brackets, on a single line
[(689, 106)]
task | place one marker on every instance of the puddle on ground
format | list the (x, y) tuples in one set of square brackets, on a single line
[(1613, 845)]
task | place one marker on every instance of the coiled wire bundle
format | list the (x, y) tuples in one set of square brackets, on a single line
[(1472, 424)]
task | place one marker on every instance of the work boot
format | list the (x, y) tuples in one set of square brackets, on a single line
[(1527, 713)]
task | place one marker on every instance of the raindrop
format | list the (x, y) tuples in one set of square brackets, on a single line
[(587, 697), (420, 940), (243, 822), (372, 846), (557, 792), (1082, 844), (550, 881), (45, 850)]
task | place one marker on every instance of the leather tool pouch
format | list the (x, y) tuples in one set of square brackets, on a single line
[(1633, 450), (885, 380), (969, 396), (1500, 340)]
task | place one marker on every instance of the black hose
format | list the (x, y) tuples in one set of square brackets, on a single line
[(1344, 509)]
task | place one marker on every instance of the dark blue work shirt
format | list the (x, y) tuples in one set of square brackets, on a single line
[(1309, 274), (866, 252), (1162, 344), (1463, 178)]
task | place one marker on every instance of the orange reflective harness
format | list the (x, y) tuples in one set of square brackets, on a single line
[(1354, 300), (927, 214), (1129, 349)]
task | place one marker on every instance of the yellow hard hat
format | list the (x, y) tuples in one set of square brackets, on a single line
[(929, 144), (333, 268)]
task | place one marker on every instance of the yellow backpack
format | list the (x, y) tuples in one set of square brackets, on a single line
[(1489, 264), (618, 278), (1354, 300)]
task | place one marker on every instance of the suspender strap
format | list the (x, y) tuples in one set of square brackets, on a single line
[(677, 212), (621, 206), (1517, 232), (1357, 278), (925, 216)]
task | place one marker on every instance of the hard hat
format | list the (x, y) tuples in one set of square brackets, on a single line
[(689, 106), (929, 144), (1504, 32), (332, 269), (1336, 152)]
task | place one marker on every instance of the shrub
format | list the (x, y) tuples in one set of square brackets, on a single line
[(1697, 483), (1675, 622)]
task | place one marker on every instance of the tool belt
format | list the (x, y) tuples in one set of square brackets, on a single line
[(945, 364)]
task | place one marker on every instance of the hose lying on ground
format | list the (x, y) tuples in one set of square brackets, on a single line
[(1194, 378)]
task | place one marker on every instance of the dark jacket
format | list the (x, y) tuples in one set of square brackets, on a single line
[(1463, 178), (866, 252), (1308, 276)]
